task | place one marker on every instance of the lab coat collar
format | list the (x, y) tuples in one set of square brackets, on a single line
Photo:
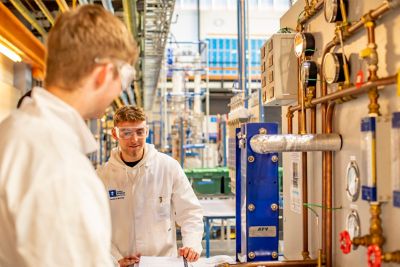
[(60, 112), (149, 150)]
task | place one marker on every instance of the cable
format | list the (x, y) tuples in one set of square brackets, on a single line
[(321, 206)]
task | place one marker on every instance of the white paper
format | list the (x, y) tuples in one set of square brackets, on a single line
[(178, 261), (296, 173)]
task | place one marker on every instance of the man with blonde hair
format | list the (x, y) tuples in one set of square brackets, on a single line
[(53, 207), (148, 193)]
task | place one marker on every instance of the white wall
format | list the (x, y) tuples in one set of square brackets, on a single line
[(8, 94), (347, 123)]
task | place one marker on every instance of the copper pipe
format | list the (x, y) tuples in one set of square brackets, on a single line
[(323, 93), (373, 14), (391, 256), (305, 253), (307, 7), (317, 7), (310, 263), (313, 121), (328, 178), (301, 122), (289, 116), (375, 235), (351, 91)]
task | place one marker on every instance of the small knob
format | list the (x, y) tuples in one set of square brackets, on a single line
[(374, 256), (252, 255), (345, 242), (274, 255), (274, 207), (251, 207)]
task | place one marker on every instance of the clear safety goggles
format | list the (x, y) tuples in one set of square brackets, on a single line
[(129, 132), (125, 70)]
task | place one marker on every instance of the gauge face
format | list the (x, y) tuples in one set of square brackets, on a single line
[(331, 68), (299, 44), (331, 9), (308, 73), (353, 181), (353, 224)]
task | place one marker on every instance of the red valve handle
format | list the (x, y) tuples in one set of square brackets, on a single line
[(374, 255), (345, 242)]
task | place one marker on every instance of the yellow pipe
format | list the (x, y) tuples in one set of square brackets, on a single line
[(45, 11), (28, 16), (343, 10), (62, 5), (33, 51)]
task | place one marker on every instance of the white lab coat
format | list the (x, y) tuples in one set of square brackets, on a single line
[(53, 208), (146, 200)]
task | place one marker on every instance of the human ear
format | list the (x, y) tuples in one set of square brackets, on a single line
[(114, 134), (103, 74)]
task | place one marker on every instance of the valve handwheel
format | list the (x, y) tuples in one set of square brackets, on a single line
[(345, 242), (374, 256)]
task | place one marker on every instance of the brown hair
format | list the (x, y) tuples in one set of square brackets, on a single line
[(129, 113), (81, 36)]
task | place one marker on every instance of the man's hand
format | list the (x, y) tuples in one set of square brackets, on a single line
[(130, 260), (189, 254)]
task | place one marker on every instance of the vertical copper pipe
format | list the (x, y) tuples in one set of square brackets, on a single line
[(313, 121), (301, 122), (289, 116), (329, 187), (323, 92), (305, 253)]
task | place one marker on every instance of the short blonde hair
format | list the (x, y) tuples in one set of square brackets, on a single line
[(81, 36), (129, 113)]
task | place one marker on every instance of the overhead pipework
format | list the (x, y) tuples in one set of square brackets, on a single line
[(157, 21)]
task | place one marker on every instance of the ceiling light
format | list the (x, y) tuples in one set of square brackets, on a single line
[(9, 53)]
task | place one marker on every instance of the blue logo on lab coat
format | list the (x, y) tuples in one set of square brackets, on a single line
[(116, 194)]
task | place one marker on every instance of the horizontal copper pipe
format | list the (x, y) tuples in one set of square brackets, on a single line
[(288, 263), (351, 91), (374, 14)]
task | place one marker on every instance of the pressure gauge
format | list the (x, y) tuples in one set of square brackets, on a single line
[(333, 68), (353, 181), (353, 225), (308, 73), (332, 10), (304, 43)]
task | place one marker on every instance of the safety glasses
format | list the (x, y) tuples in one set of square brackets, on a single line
[(126, 71), (129, 132)]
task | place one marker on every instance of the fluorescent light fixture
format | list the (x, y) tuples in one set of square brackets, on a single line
[(9, 53), (9, 50)]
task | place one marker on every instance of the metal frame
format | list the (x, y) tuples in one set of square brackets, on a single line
[(157, 20), (257, 198)]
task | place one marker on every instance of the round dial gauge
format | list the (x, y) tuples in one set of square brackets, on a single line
[(332, 10), (353, 181), (333, 68), (304, 43), (353, 224), (308, 73)]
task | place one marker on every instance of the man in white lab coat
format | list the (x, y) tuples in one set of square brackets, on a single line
[(53, 208), (148, 193)]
